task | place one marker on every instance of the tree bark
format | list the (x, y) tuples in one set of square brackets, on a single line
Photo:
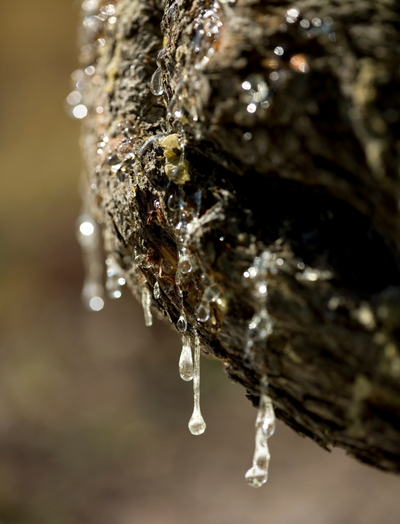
[(285, 124)]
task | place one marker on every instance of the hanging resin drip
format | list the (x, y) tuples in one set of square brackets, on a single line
[(146, 303), (257, 475), (115, 279), (186, 367), (261, 325), (196, 425), (88, 238)]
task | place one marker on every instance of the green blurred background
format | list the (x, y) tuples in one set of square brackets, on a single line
[(93, 415)]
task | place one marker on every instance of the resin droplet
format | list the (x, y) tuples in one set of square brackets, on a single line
[(212, 293), (156, 83), (181, 324), (196, 425), (146, 303), (157, 291), (186, 369), (203, 313), (184, 265)]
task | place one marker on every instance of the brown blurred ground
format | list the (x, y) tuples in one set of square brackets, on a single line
[(93, 416)]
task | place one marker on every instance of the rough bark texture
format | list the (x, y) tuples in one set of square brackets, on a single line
[(304, 163)]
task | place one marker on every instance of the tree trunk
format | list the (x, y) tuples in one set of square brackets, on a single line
[(264, 152)]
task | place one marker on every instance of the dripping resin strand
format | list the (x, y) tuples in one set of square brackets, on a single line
[(257, 475), (260, 328), (189, 369), (197, 425)]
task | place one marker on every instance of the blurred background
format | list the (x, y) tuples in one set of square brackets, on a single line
[(93, 414)]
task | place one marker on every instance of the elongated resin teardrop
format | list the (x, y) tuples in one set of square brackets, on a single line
[(186, 368), (197, 425), (156, 83), (146, 303), (257, 475)]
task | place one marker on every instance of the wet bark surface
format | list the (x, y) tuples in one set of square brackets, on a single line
[(285, 124)]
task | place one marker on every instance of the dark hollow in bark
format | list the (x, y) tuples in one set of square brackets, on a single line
[(290, 117)]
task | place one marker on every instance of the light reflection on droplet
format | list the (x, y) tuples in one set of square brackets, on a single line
[(262, 289), (77, 75), (278, 51), (90, 70), (251, 108), (86, 228), (74, 98), (90, 5), (96, 304), (299, 63), (294, 12), (80, 111), (247, 136), (246, 85), (108, 10)]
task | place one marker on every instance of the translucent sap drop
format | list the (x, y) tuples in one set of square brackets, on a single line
[(203, 313), (173, 203), (212, 293), (157, 291), (186, 369), (256, 477), (181, 324), (184, 265), (156, 83), (196, 425), (146, 303)]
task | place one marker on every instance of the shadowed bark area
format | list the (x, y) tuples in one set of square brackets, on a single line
[(275, 129)]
